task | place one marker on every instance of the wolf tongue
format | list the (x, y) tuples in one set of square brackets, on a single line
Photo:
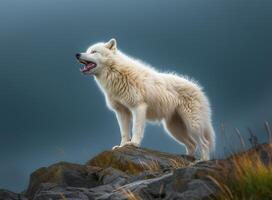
[(90, 65)]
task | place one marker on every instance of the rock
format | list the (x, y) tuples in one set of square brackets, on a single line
[(110, 169), (64, 174), (113, 176), (53, 191), (135, 173), (169, 186), (7, 195), (134, 160)]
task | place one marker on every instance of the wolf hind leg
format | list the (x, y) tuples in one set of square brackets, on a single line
[(177, 129), (210, 136), (194, 125)]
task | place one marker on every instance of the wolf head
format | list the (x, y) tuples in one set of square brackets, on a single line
[(97, 57)]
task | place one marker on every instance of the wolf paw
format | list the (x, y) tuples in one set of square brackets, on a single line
[(131, 143), (116, 147)]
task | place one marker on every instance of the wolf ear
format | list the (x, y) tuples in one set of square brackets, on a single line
[(112, 44)]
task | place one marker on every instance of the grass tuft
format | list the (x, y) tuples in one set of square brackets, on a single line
[(131, 195), (252, 180)]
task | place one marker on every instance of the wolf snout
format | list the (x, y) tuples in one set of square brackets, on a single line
[(78, 55)]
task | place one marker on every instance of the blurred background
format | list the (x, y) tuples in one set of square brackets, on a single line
[(50, 112)]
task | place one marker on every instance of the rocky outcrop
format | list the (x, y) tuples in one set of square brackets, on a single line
[(64, 174), (106, 173), (134, 173), (133, 160), (7, 195)]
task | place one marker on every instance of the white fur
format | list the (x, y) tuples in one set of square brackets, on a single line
[(136, 93)]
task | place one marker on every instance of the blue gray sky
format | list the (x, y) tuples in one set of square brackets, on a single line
[(50, 112)]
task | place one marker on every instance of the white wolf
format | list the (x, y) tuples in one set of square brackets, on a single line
[(136, 93)]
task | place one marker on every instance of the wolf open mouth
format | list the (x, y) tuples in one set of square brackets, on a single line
[(88, 65)]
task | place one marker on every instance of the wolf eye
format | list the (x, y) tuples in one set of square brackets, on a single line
[(93, 51)]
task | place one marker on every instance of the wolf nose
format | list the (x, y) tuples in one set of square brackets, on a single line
[(78, 55)]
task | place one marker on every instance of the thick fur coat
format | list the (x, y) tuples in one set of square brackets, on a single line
[(138, 93)]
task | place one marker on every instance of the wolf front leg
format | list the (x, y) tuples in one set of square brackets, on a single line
[(139, 118), (123, 116)]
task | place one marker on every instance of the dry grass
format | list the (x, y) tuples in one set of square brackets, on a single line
[(130, 195), (269, 131), (152, 165), (252, 180), (176, 164), (63, 196)]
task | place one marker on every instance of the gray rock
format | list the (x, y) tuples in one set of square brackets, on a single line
[(64, 174), (113, 176), (49, 191), (7, 195), (134, 160), (135, 173), (168, 186)]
